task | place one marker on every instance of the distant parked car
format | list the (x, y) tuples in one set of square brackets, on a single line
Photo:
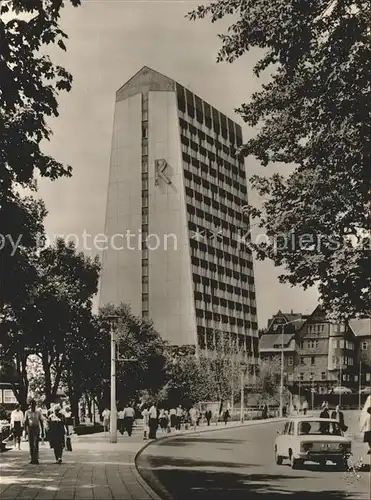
[(341, 390), (366, 390), (314, 440)]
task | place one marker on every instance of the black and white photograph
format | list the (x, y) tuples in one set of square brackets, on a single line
[(185, 250)]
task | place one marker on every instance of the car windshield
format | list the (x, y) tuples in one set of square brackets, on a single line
[(318, 427)]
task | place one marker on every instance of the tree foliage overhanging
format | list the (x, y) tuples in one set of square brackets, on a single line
[(314, 114), (30, 84)]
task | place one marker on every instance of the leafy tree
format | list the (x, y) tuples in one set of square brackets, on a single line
[(61, 298), (14, 356), (268, 379), (36, 378), (141, 358), (187, 382), (30, 84), (314, 114)]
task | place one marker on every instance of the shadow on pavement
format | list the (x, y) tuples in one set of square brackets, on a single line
[(183, 483), (157, 462), (175, 441)]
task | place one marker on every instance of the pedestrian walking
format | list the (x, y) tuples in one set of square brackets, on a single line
[(58, 431), (339, 416), (145, 415), (193, 414), (172, 418), (208, 416), (265, 411), (324, 426), (33, 423), (69, 419), (120, 422), (365, 424), (305, 407), (44, 412), (153, 421), (106, 415), (129, 416), (179, 415), (16, 425), (226, 417)]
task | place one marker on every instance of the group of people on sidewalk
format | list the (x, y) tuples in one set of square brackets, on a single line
[(38, 426), (155, 418)]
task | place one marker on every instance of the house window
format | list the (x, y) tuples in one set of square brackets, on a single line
[(145, 115), (301, 376), (364, 346), (302, 360), (144, 132), (290, 360), (301, 344), (312, 360), (145, 166), (323, 376), (8, 397), (144, 287)]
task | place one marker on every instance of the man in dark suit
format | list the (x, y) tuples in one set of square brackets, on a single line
[(339, 416)]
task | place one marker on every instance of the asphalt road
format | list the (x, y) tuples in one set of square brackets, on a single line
[(238, 464)]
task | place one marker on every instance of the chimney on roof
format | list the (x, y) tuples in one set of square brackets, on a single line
[(292, 312)]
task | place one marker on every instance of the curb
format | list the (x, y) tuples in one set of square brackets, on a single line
[(164, 493)]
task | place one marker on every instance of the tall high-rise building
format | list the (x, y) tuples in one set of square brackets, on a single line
[(174, 219)]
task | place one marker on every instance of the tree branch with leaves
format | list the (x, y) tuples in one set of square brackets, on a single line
[(314, 115)]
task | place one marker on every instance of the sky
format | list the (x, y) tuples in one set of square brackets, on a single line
[(109, 41)]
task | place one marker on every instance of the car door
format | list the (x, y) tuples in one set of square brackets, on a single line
[(291, 437), (288, 439), (282, 441)]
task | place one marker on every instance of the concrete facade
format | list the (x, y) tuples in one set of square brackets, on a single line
[(177, 185)]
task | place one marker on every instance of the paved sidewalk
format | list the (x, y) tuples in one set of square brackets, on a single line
[(95, 470)]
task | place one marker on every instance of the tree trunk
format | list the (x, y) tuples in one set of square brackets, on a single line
[(75, 409), (48, 381), (59, 367), (74, 397), (20, 385), (89, 404)]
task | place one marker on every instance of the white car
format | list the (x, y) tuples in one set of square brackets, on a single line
[(341, 390), (312, 439)]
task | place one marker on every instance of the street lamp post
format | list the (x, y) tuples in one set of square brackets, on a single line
[(359, 384), (243, 366), (312, 391), (283, 325), (282, 373), (113, 416)]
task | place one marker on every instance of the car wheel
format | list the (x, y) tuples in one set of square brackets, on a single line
[(295, 462), (278, 457)]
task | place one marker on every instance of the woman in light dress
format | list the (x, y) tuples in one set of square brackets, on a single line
[(365, 423)]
